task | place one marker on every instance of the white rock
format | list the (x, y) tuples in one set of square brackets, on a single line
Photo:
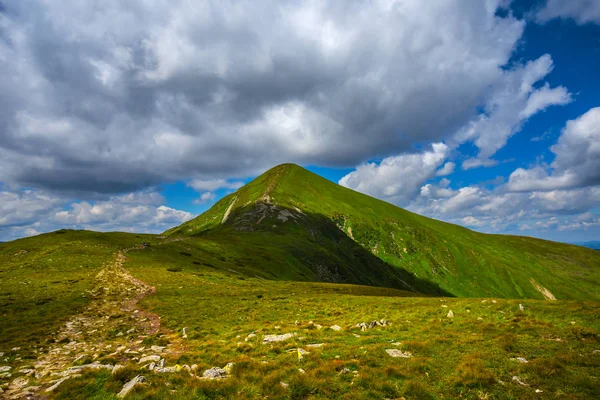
[(5, 368), (336, 328), (277, 338), (520, 359), (147, 359), (519, 381), (450, 314), (130, 385), (398, 353)]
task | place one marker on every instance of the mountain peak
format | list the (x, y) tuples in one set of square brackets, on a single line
[(336, 234)]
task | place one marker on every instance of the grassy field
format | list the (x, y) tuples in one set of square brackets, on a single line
[(472, 355)]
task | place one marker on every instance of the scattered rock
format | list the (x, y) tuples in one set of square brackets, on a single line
[(158, 349), (185, 332), (297, 323), (128, 387), (94, 365), (250, 336), (521, 307), (217, 373), (520, 359), (322, 344), (277, 338), (147, 359), (301, 371), (57, 383), (364, 326), (539, 391), (5, 368), (18, 383), (336, 328), (450, 314), (398, 353), (284, 385), (344, 371), (519, 381)]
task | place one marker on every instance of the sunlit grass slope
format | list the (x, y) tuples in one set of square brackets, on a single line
[(296, 225), (45, 279)]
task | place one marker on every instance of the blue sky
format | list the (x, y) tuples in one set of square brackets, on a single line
[(137, 118)]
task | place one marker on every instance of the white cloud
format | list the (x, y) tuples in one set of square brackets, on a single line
[(24, 207), (205, 198), (582, 11), (514, 99), (397, 178), (447, 169), (576, 162), (214, 184), (30, 212)]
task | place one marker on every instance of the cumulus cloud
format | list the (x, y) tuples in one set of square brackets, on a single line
[(514, 99), (397, 178), (132, 94), (24, 207), (447, 169), (122, 211), (576, 162), (30, 212), (582, 11), (497, 210)]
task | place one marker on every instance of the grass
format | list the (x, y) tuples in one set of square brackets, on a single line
[(45, 279), (468, 356)]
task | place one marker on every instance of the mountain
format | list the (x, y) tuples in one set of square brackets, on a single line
[(296, 225)]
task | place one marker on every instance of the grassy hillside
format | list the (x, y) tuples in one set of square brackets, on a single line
[(47, 278), (313, 229), (227, 313)]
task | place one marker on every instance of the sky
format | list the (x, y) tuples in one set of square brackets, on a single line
[(137, 116)]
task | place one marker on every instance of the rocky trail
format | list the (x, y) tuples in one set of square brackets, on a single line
[(111, 327)]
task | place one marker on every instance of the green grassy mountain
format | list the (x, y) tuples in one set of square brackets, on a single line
[(300, 226)]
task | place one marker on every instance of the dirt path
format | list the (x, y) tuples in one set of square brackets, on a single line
[(110, 331)]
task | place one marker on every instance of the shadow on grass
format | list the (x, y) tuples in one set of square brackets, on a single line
[(313, 249)]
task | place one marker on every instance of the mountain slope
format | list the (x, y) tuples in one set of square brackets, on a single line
[(327, 232)]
